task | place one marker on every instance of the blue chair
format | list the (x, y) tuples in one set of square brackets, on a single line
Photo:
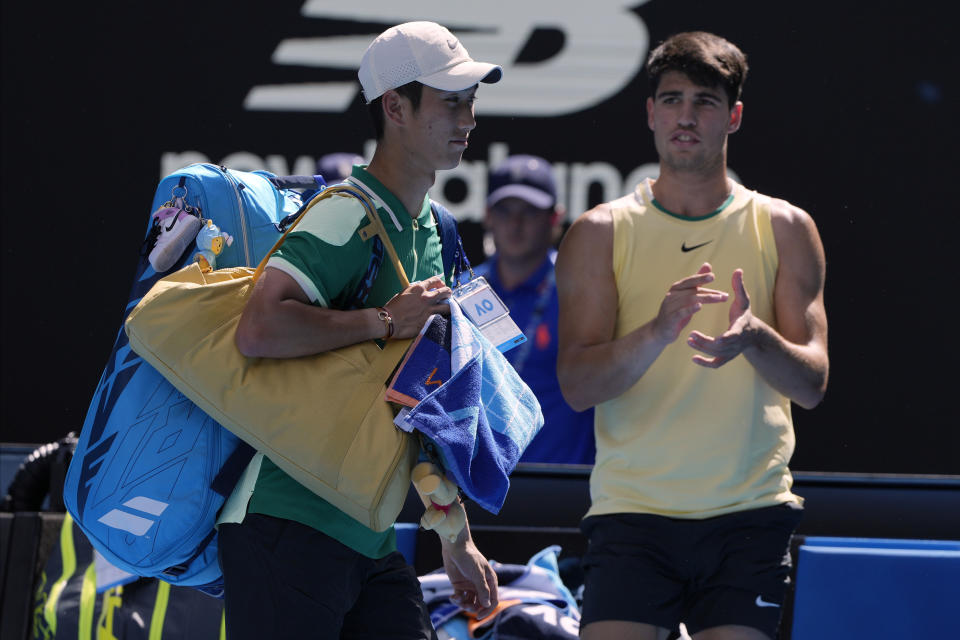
[(407, 540), (876, 588)]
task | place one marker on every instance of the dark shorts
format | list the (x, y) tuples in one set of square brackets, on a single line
[(730, 569), (287, 580)]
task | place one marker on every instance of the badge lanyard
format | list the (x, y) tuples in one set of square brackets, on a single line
[(546, 286), (482, 305)]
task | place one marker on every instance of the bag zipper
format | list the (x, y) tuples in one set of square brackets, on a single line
[(243, 219)]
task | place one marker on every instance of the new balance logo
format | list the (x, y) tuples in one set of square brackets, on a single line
[(602, 46), (132, 523)]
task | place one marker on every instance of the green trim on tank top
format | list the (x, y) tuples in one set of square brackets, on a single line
[(726, 203)]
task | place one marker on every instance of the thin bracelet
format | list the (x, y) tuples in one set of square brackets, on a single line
[(384, 315)]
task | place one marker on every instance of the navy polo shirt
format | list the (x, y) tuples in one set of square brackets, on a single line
[(567, 435)]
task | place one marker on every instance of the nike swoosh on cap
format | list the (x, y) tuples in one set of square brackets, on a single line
[(760, 602), (685, 248)]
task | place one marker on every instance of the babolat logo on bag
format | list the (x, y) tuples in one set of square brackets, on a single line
[(156, 444), (151, 470), (134, 483)]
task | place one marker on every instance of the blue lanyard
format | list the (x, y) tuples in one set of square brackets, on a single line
[(546, 286)]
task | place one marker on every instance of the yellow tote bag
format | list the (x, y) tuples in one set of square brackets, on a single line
[(322, 419)]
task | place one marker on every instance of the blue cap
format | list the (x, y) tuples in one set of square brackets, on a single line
[(529, 178), (334, 167)]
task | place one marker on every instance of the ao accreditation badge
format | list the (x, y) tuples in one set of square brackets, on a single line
[(482, 305)]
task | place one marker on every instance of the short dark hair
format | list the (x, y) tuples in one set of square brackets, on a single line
[(413, 91), (705, 58)]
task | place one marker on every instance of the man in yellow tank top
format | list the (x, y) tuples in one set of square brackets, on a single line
[(691, 508)]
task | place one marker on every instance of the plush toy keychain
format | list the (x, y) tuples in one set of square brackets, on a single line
[(444, 512), (210, 243)]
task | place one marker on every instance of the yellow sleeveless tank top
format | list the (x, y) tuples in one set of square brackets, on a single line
[(686, 441)]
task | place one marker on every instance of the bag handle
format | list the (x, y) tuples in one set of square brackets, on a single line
[(298, 182), (383, 365), (375, 222), (378, 230)]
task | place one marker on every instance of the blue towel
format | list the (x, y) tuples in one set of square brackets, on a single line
[(481, 419)]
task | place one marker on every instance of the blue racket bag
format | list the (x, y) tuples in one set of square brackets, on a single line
[(151, 470)]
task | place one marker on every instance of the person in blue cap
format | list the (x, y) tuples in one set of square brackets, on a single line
[(523, 217), (335, 167)]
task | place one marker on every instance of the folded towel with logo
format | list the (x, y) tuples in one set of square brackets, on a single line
[(466, 398)]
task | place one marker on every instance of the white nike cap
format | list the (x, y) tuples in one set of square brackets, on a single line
[(422, 51)]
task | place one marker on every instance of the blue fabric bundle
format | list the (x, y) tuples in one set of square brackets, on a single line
[(481, 418), (534, 603)]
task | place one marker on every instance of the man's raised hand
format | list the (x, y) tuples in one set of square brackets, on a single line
[(684, 298), (735, 339)]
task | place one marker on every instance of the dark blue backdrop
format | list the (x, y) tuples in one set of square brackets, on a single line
[(850, 113)]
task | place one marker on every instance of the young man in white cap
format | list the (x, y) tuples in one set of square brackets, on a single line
[(523, 217), (294, 565)]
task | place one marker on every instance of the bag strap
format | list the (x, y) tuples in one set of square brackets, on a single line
[(229, 474), (448, 235), (375, 228), (298, 182), (359, 298), (453, 255), (382, 366)]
